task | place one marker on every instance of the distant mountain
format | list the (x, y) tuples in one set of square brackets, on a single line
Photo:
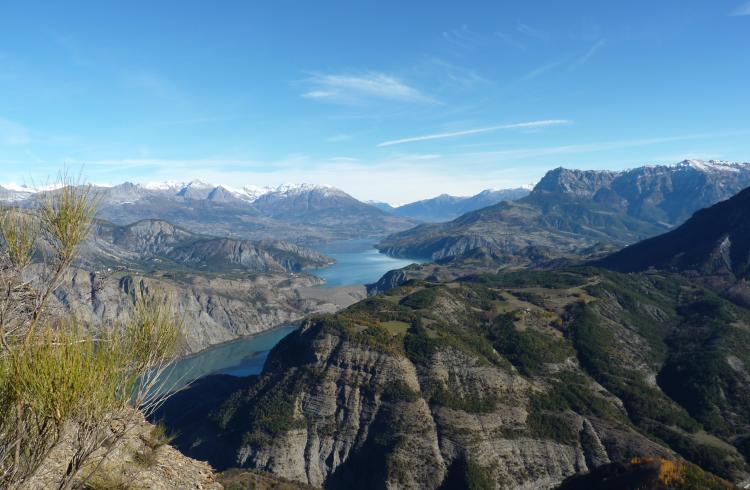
[(383, 206), (159, 245), (666, 194), (446, 207), (13, 193), (324, 206), (302, 213), (716, 240), (570, 210)]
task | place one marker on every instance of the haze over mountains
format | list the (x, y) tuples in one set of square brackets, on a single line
[(301, 213), (570, 211), (446, 207), (714, 243)]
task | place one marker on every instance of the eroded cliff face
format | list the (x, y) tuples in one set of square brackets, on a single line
[(369, 419), (518, 380), (212, 309)]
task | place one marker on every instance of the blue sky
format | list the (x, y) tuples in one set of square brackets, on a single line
[(388, 100)]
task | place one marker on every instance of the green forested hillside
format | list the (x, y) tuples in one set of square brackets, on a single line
[(516, 379)]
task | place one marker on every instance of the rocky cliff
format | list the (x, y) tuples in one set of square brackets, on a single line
[(213, 308), (516, 381), (157, 244), (571, 210)]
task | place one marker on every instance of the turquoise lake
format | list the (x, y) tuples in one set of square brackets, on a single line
[(357, 262)]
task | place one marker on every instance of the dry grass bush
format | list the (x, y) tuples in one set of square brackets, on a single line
[(55, 373)]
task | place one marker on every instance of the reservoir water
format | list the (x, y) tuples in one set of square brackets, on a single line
[(357, 262)]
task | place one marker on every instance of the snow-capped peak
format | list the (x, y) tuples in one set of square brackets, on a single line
[(166, 185), (27, 189), (300, 188), (712, 165), (247, 193), (199, 184)]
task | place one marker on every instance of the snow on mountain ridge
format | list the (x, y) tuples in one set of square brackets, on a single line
[(248, 192), (712, 165)]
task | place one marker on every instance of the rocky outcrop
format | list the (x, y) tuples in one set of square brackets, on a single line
[(575, 183), (518, 380), (212, 309), (141, 460), (157, 244)]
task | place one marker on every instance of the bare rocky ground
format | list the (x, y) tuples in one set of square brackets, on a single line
[(141, 460)]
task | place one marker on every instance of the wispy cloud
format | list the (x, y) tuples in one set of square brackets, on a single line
[(510, 40), (12, 133), (521, 153), (568, 61), (156, 85), (541, 70), (590, 53), (357, 88), (466, 132), (339, 138), (455, 76), (463, 37), (529, 31), (742, 10)]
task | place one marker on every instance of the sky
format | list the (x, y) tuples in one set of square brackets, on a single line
[(387, 100)]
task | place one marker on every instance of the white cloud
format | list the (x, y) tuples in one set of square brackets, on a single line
[(339, 138), (536, 72), (156, 85), (466, 132), (521, 153), (12, 133), (590, 53), (356, 88), (527, 30), (742, 10), (510, 40), (344, 159), (397, 177), (462, 37)]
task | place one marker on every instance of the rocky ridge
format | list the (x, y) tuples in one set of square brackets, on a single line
[(159, 244), (572, 210), (518, 380)]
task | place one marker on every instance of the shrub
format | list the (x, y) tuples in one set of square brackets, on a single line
[(54, 373)]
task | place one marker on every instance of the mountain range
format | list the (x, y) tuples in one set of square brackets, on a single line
[(446, 207), (470, 376), (303, 213), (630, 370), (571, 211)]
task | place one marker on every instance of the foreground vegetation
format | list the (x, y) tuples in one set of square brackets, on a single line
[(59, 378)]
